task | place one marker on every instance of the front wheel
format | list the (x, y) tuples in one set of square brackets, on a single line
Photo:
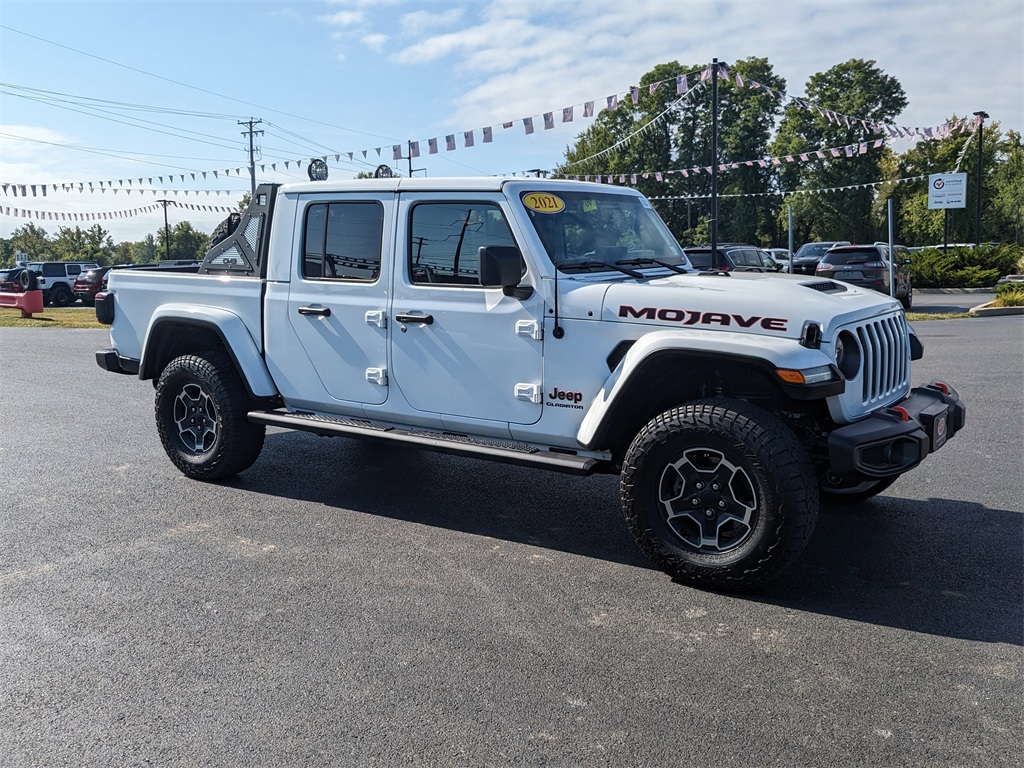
[(719, 493), (201, 415), (908, 300)]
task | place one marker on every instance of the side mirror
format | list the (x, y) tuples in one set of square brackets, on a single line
[(906, 261), (501, 266)]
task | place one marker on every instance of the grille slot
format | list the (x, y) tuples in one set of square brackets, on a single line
[(885, 356), (825, 286)]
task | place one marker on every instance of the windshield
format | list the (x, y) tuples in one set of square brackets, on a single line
[(813, 249), (598, 231)]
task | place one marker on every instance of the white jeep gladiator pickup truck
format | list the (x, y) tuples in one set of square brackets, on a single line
[(552, 324)]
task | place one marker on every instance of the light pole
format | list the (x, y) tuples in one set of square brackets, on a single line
[(981, 132)]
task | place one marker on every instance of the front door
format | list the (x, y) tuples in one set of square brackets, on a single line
[(459, 349)]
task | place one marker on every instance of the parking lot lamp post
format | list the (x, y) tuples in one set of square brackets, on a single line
[(981, 132)]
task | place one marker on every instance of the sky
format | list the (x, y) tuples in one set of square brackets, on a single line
[(123, 104)]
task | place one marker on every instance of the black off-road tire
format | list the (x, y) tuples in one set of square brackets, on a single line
[(839, 492), (908, 300), (61, 296), (756, 494), (201, 407), (29, 281)]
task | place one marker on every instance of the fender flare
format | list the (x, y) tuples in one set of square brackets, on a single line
[(231, 330), (764, 353)]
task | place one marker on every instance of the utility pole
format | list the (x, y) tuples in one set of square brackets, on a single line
[(251, 133), (167, 231), (981, 132), (408, 156)]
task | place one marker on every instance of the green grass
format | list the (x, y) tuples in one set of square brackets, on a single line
[(50, 317)]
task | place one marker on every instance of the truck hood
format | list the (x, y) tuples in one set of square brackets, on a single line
[(776, 305)]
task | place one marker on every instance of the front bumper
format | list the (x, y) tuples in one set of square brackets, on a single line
[(894, 440)]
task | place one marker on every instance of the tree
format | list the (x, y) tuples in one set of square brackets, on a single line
[(32, 241), (663, 132), (93, 244), (186, 243), (1002, 215), (858, 89)]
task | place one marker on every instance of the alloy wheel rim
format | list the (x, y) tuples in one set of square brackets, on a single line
[(709, 503)]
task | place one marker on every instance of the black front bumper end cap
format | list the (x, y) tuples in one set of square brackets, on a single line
[(893, 440), (109, 360)]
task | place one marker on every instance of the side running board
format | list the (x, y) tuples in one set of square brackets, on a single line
[(445, 442)]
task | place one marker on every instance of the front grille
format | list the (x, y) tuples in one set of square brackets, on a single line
[(885, 359)]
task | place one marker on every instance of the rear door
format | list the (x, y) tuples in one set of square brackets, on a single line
[(332, 343)]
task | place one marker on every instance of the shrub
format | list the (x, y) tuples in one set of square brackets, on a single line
[(1010, 295), (977, 267)]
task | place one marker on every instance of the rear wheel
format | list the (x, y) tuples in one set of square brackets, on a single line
[(61, 296), (908, 300), (201, 415), (719, 493)]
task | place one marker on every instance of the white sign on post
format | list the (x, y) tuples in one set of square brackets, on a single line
[(947, 190)]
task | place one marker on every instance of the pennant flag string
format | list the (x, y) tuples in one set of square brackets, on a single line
[(639, 131), (22, 213), (848, 150), (784, 193), (547, 119)]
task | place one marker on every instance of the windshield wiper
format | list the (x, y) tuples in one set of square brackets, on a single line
[(638, 261), (602, 265)]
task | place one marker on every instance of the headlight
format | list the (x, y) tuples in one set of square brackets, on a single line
[(847, 353)]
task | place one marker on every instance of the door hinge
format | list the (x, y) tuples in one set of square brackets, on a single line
[(528, 392), (529, 328), (377, 376), (377, 317)]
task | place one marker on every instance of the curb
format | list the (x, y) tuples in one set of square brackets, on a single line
[(954, 290), (986, 310)]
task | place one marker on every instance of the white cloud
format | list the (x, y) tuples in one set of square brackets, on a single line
[(344, 18), (419, 22), (375, 42), (516, 58)]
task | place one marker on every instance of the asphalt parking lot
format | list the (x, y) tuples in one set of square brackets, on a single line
[(349, 604)]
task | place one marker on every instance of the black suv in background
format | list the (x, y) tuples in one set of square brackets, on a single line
[(868, 267), (809, 254), (731, 257)]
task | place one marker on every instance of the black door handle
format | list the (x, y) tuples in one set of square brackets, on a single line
[(405, 318), (317, 311)]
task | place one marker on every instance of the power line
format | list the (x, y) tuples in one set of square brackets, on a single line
[(186, 85)]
